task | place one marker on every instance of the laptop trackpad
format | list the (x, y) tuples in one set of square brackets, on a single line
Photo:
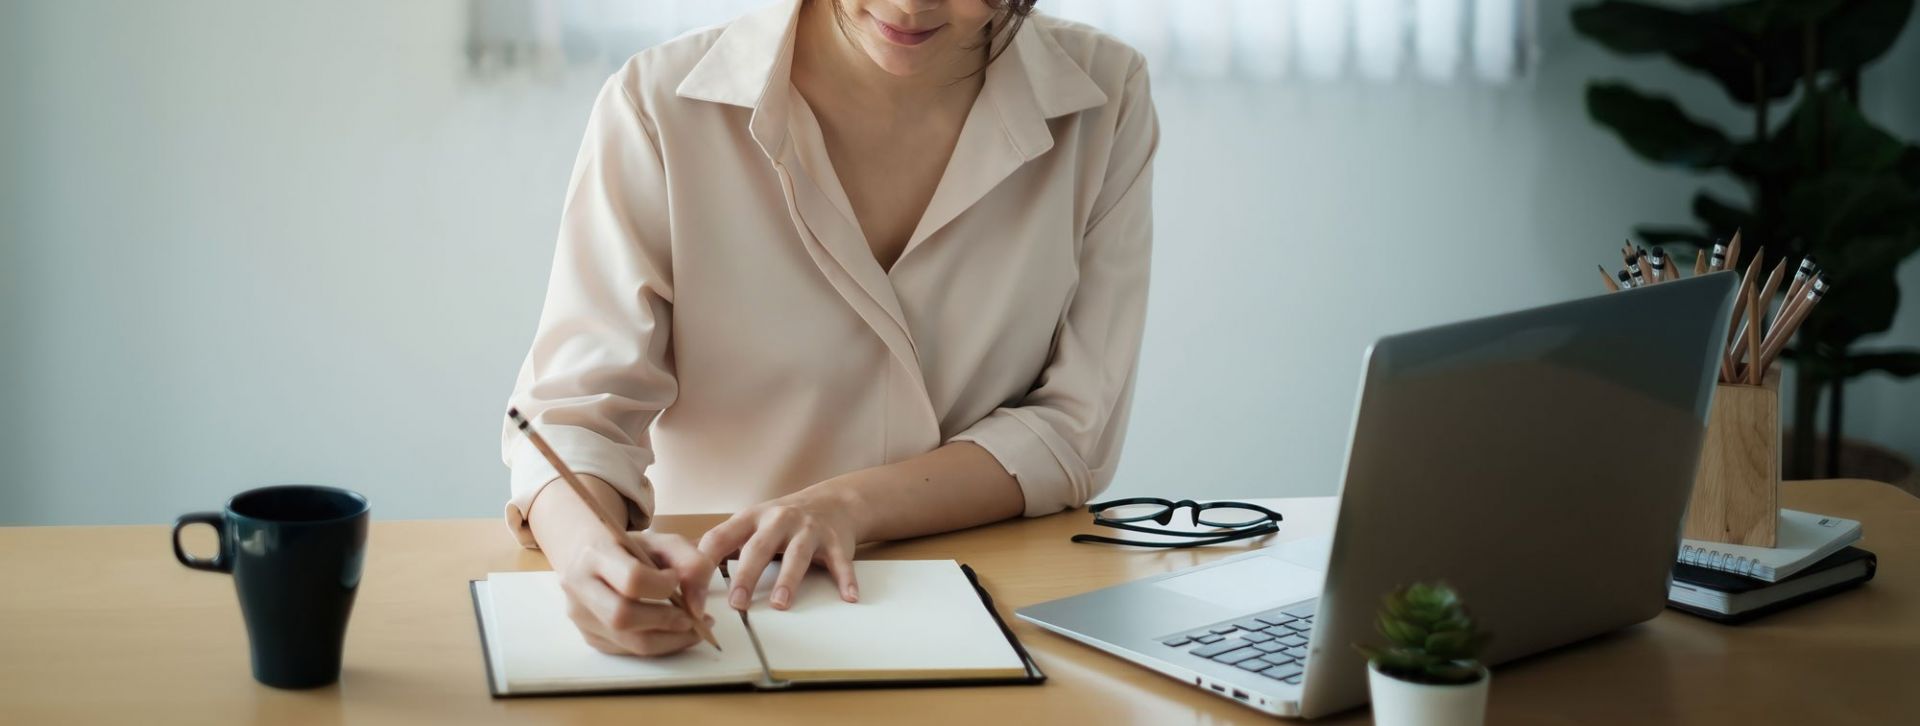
[(1249, 585)]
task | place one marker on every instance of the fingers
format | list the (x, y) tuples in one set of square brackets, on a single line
[(754, 556), (647, 643), (840, 564), (630, 577), (601, 644), (793, 566), (657, 642), (727, 538), (597, 606), (687, 564)]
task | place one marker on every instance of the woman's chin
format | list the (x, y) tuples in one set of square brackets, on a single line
[(901, 62)]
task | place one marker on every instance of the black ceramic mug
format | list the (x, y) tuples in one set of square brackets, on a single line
[(295, 554)]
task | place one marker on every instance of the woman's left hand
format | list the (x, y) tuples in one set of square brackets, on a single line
[(812, 525)]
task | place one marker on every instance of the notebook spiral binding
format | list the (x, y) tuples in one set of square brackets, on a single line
[(1716, 560)]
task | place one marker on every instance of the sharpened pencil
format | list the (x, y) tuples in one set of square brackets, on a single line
[(1790, 322)]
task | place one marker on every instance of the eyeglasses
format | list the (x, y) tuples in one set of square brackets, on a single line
[(1232, 521)]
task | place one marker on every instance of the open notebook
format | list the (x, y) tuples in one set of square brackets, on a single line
[(918, 623)]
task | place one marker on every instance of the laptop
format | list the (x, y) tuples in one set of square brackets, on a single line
[(1539, 462)]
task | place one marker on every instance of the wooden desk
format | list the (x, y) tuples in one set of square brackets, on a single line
[(99, 624)]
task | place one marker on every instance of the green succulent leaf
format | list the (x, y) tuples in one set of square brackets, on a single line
[(1656, 128), (1402, 632), (1428, 628), (1453, 673), (1450, 645)]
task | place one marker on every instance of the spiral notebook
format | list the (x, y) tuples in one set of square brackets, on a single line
[(918, 623), (1804, 539)]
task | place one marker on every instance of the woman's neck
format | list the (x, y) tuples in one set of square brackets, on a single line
[(830, 59)]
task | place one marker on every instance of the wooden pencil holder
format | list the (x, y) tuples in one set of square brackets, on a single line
[(1736, 493)]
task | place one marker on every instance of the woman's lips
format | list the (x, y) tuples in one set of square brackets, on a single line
[(903, 36)]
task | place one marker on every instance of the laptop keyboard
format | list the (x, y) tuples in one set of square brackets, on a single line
[(1272, 643)]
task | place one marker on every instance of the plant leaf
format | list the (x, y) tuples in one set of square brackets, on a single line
[(1403, 633), (1718, 214), (1859, 305), (1632, 28), (1708, 41), (1672, 237), (1450, 645), (1850, 143), (1859, 32), (1656, 128), (1831, 210), (1761, 17), (1453, 673)]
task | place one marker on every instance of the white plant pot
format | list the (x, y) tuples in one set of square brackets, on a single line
[(1403, 703)]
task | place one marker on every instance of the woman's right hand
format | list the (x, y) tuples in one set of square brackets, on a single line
[(620, 604)]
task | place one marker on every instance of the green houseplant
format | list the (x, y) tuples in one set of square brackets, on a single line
[(1819, 178), (1429, 672)]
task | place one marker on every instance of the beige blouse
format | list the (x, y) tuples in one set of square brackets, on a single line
[(718, 333)]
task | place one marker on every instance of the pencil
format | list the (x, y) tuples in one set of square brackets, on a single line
[(1700, 263), (1730, 358), (1626, 283), (1607, 280), (1659, 265), (1749, 279), (1795, 290), (633, 546), (1756, 325), (1754, 315), (1718, 261), (1784, 330), (1646, 268), (1733, 251), (1800, 277)]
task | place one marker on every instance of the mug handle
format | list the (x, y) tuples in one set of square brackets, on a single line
[(219, 562)]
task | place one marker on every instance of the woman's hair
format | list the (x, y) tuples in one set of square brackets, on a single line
[(1007, 18)]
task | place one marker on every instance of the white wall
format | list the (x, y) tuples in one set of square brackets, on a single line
[(252, 241)]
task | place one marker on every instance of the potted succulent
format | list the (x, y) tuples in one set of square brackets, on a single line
[(1429, 673)]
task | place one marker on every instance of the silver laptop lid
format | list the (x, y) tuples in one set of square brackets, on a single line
[(1540, 462)]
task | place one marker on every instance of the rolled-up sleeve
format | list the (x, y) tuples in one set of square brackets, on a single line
[(1062, 441), (600, 368)]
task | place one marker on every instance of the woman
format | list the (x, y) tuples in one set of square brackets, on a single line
[(856, 270)]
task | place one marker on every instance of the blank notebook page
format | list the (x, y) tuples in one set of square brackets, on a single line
[(535, 648), (916, 620)]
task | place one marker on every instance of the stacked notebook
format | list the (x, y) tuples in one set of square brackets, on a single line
[(918, 623), (1734, 583)]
